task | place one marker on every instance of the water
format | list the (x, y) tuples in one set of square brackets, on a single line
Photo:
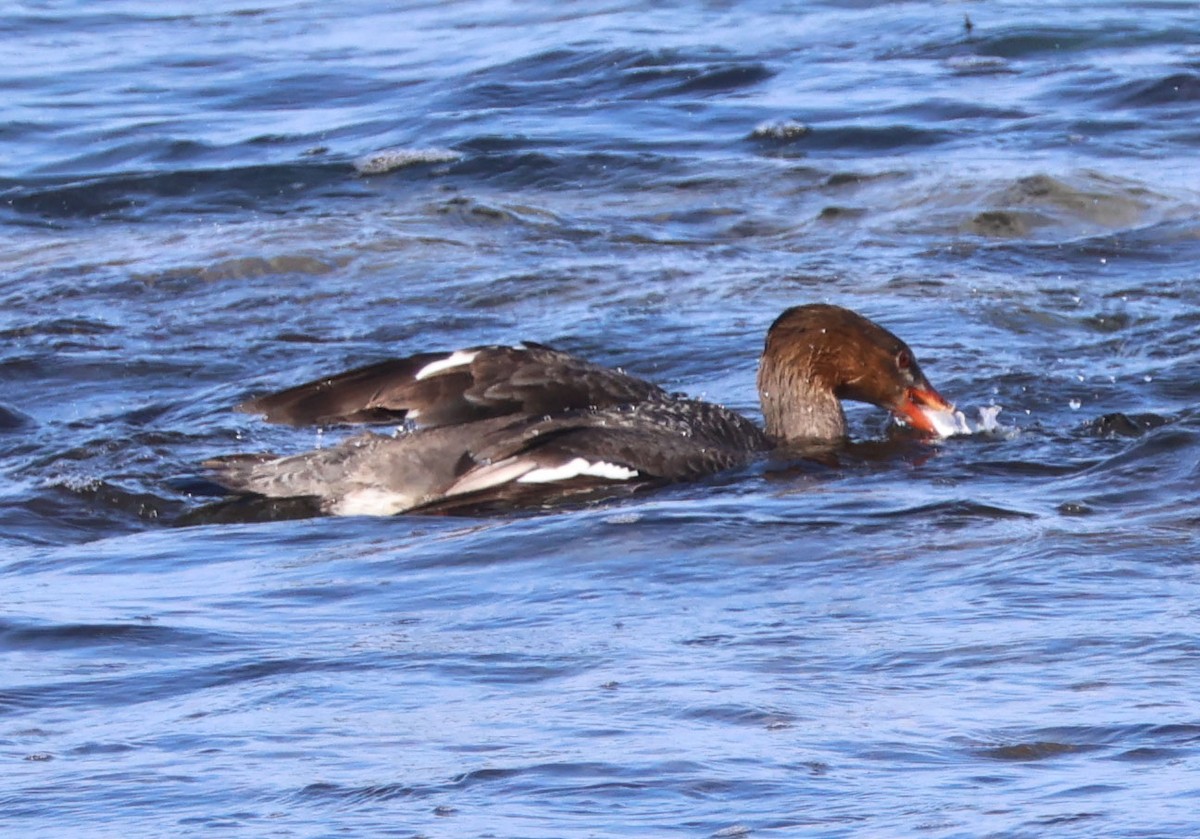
[(994, 635)]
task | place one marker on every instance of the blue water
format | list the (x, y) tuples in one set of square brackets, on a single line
[(995, 635)]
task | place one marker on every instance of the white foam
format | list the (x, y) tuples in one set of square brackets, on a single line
[(976, 65), (577, 468), (787, 129), (459, 358), (386, 160)]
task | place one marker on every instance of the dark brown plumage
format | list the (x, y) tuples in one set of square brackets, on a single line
[(818, 355)]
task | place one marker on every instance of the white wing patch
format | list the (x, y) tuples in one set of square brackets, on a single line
[(515, 469), (458, 358), (576, 468)]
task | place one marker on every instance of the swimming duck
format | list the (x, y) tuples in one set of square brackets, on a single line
[(527, 425)]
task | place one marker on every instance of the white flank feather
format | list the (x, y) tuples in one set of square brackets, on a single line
[(371, 502), (576, 468), (491, 475), (458, 358), (514, 469)]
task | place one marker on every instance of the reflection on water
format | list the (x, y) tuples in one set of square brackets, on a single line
[(990, 635)]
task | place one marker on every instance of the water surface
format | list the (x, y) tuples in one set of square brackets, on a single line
[(995, 635)]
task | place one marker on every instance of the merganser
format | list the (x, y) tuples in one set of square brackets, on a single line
[(528, 426)]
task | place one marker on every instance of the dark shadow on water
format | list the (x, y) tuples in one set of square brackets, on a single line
[(250, 509)]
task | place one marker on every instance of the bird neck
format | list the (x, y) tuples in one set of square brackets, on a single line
[(797, 405)]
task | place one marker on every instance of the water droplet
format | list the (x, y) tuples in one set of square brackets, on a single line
[(1075, 404)]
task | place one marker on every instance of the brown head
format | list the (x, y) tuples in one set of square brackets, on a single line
[(817, 355)]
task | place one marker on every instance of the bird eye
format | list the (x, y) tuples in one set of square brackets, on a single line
[(903, 360)]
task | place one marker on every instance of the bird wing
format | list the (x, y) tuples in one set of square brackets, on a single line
[(600, 453), (446, 388)]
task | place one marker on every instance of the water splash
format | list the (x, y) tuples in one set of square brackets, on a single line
[(953, 422)]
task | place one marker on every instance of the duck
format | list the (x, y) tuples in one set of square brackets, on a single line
[(498, 427)]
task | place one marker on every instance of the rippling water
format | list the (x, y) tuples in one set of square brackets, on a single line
[(994, 635)]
